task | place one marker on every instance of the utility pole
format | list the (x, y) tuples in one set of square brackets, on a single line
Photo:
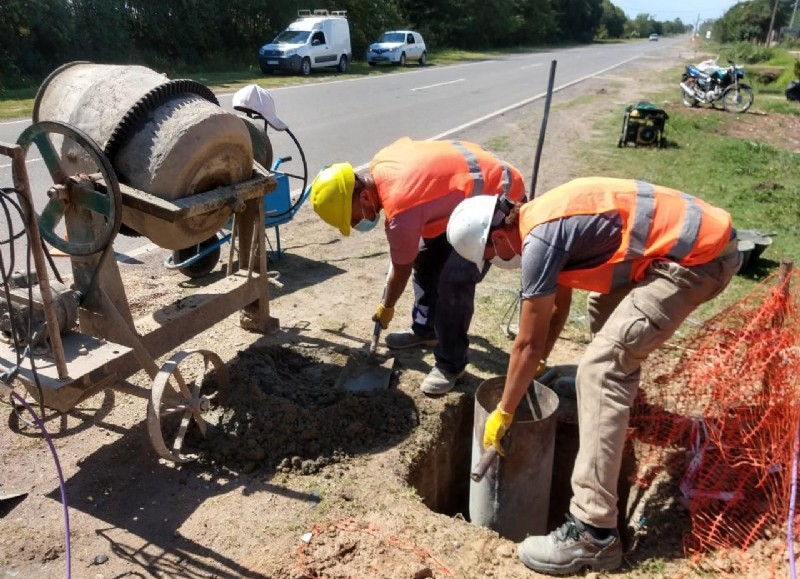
[(772, 23), (794, 11)]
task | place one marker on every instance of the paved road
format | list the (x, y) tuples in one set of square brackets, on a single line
[(350, 119)]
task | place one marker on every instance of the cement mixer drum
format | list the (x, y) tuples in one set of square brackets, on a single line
[(168, 138)]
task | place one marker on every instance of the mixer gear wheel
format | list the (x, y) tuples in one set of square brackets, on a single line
[(73, 190), (149, 102), (171, 398)]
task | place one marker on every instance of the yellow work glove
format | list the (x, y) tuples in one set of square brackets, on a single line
[(383, 315), (496, 426), (540, 369)]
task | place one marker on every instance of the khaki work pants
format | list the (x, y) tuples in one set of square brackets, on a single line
[(627, 325)]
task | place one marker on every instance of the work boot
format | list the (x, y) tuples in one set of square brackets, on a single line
[(571, 548), (408, 339), (439, 382)]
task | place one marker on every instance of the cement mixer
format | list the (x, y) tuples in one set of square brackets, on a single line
[(127, 148)]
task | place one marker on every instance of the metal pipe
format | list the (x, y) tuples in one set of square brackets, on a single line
[(22, 184), (542, 130), (488, 456)]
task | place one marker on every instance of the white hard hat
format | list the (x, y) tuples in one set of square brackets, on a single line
[(468, 227), (254, 99)]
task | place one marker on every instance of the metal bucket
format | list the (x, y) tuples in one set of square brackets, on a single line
[(167, 138), (513, 498)]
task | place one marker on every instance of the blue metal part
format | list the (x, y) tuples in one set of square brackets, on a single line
[(278, 208)]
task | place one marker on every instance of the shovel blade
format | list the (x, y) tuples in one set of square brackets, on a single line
[(362, 374)]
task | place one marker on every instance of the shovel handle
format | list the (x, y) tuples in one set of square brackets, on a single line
[(376, 333), (486, 459)]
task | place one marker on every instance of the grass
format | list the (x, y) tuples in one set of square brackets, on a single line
[(759, 184)]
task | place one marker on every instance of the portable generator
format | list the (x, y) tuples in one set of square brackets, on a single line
[(643, 125)]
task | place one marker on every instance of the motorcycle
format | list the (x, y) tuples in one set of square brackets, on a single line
[(709, 83)]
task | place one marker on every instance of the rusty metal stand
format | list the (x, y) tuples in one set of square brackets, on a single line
[(109, 348)]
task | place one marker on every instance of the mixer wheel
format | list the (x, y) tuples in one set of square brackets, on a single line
[(76, 192), (209, 252), (174, 404)]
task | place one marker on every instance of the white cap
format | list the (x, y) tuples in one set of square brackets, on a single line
[(254, 99), (468, 227)]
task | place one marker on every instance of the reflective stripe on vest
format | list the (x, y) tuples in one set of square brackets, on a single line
[(477, 174), (686, 229), (473, 167), (411, 173)]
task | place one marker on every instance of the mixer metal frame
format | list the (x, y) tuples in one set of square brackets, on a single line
[(110, 345)]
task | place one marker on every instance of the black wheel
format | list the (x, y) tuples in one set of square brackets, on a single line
[(371, 63), (423, 59), (342, 64), (737, 101), (305, 67), (203, 265), (402, 61)]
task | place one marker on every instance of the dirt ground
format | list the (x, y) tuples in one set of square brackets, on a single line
[(297, 478)]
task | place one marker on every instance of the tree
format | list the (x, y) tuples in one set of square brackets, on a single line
[(612, 21), (37, 36), (750, 21), (108, 36), (579, 19)]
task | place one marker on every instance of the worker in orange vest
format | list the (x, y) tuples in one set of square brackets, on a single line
[(648, 255), (417, 184)]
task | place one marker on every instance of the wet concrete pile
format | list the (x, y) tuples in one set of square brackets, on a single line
[(284, 414)]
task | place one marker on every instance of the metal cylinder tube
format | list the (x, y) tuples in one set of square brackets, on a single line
[(513, 496)]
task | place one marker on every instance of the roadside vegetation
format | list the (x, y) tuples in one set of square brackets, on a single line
[(738, 162)]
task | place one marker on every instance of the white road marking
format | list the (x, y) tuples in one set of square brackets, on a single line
[(526, 101), (141, 250), (531, 65), (438, 84), (7, 165)]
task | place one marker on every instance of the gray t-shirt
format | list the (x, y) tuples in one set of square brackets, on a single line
[(574, 242)]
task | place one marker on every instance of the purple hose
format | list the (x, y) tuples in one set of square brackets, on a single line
[(790, 530), (62, 486)]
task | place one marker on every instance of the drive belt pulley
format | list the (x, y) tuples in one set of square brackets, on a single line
[(80, 192)]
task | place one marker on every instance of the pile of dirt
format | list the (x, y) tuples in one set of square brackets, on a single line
[(285, 414)]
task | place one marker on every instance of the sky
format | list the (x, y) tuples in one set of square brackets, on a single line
[(686, 10)]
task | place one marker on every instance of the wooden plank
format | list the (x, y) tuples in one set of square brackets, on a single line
[(199, 203)]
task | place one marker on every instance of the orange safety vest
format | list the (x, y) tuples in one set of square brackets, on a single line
[(410, 173), (657, 223)]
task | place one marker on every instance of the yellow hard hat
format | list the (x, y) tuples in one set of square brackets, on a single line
[(332, 195)]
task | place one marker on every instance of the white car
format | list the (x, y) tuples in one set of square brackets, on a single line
[(397, 47)]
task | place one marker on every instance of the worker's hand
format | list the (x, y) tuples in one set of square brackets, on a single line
[(540, 369), (496, 426), (383, 316)]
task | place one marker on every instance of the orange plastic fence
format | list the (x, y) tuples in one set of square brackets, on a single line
[(726, 401)]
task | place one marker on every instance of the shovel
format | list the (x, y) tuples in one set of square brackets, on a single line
[(364, 373)]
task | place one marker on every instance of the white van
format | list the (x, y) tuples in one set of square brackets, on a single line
[(314, 40)]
